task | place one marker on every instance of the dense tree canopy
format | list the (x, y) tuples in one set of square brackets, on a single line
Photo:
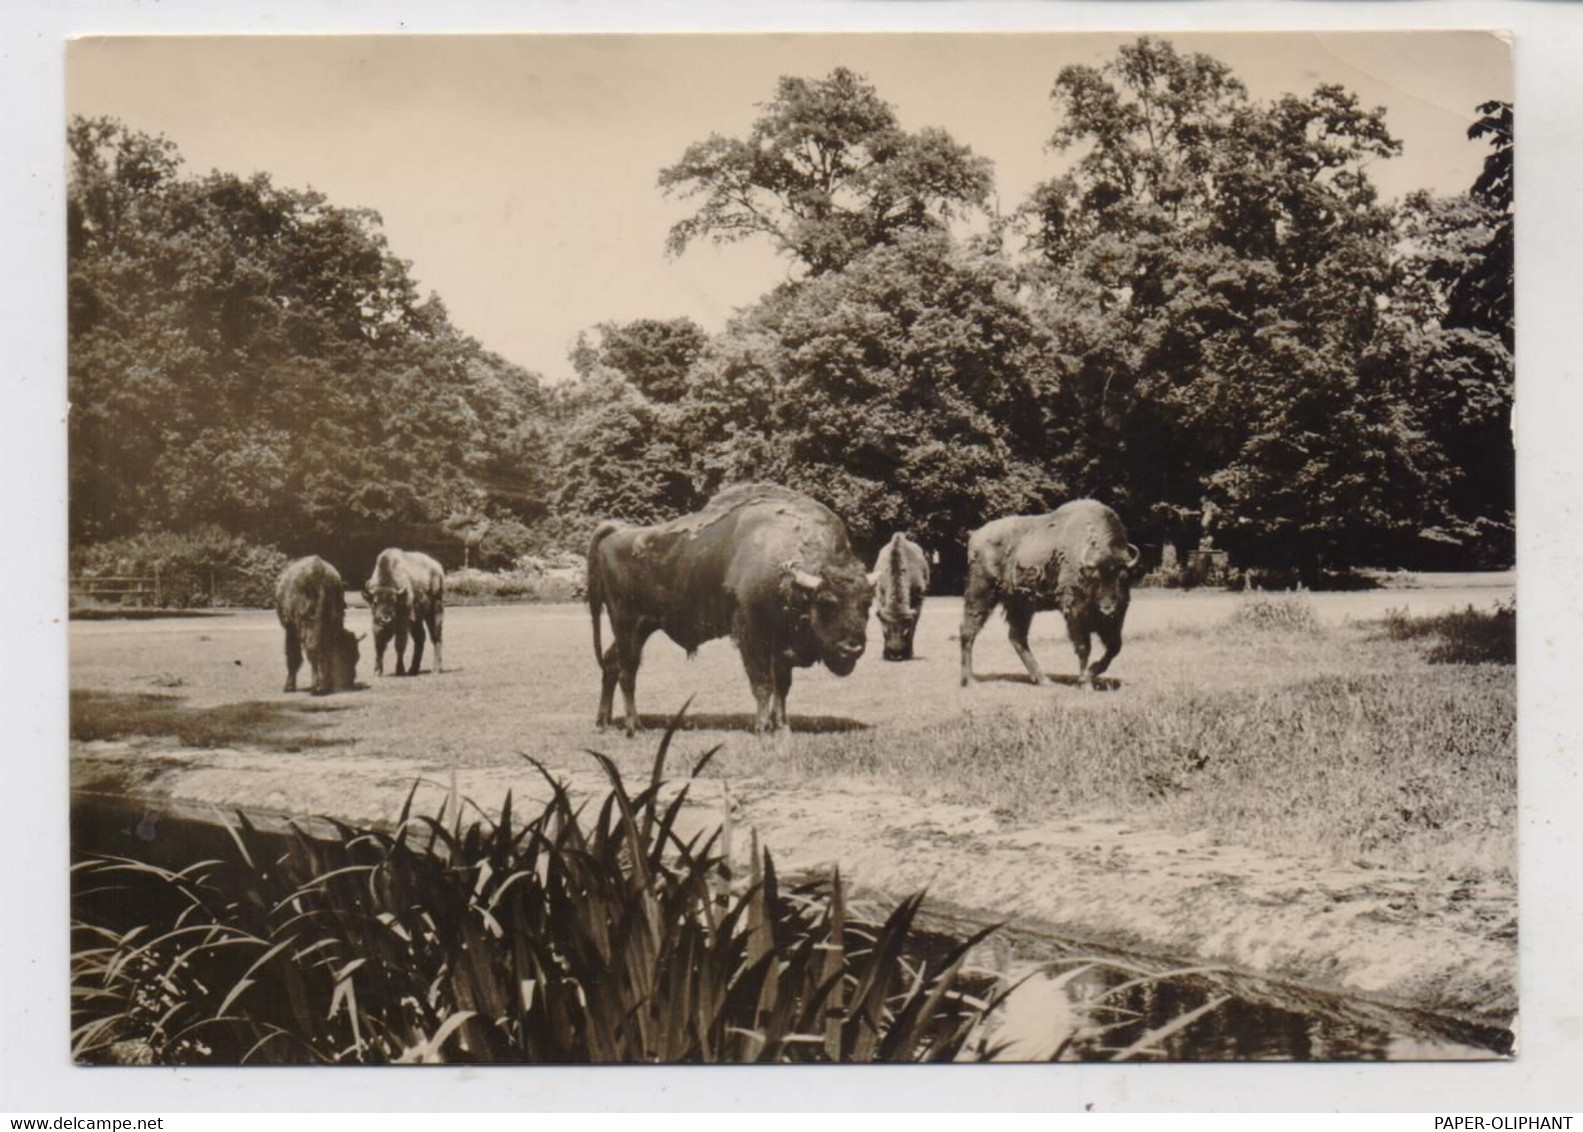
[(1217, 271), (255, 356), (1214, 325), (1451, 314)]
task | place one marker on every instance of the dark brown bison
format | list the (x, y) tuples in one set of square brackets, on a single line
[(768, 566), (1076, 559), (406, 593), (311, 603), (900, 579)]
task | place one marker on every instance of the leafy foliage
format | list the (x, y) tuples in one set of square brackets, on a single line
[(1482, 296), (1213, 267), (908, 391), (654, 355), (1451, 320), (826, 173), (254, 356)]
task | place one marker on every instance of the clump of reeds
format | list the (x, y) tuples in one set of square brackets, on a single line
[(556, 939)]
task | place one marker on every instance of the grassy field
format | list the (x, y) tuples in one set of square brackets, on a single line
[(1294, 724), (1293, 785)]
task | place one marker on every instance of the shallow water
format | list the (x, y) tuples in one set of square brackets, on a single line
[(1120, 1012)]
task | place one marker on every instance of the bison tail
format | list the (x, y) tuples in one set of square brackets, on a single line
[(595, 584)]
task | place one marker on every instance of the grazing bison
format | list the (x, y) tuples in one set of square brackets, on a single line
[(311, 604), (1075, 559), (766, 565), (406, 593), (900, 579)]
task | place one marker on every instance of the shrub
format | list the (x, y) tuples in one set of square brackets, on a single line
[(1274, 613), (556, 940), (1465, 636), (464, 587), (1163, 578), (197, 569), (503, 543)]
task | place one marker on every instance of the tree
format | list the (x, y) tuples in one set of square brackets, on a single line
[(654, 354), (1213, 268), (909, 390), (615, 457), (1451, 320), (826, 172), (1482, 296), (255, 356)]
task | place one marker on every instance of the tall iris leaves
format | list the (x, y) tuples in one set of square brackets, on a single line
[(557, 939)]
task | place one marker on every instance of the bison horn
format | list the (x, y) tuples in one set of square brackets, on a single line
[(1133, 554), (806, 580), (362, 636)]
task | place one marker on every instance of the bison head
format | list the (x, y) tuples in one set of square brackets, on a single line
[(385, 604), (899, 622), (835, 604), (342, 661), (1106, 576)]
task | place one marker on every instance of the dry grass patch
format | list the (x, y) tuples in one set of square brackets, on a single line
[(1461, 636), (113, 715), (1405, 769)]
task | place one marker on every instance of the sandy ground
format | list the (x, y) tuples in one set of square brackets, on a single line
[(522, 680)]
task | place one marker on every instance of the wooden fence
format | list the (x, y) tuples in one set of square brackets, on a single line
[(127, 590)]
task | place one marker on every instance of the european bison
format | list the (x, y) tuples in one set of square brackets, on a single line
[(900, 579), (406, 593), (766, 565), (1075, 559), (311, 604)]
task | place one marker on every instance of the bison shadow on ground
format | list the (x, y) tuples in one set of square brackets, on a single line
[(743, 721), (1101, 683), (321, 697)]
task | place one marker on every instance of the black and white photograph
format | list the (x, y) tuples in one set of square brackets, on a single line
[(792, 548)]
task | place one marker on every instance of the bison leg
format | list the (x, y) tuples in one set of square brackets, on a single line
[(762, 679), (381, 639), (436, 628), (912, 632), (293, 658), (977, 602), (610, 672), (1020, 617), (417, 647), (1110, 637), (630, 657), (1082, 644), (783, 680), (401, 648)]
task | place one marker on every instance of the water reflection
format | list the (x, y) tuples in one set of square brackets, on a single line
[(1079, 1008)]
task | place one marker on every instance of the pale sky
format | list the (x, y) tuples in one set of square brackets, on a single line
[(517, 173)]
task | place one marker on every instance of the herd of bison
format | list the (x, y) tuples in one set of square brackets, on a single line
[(767, 566)]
